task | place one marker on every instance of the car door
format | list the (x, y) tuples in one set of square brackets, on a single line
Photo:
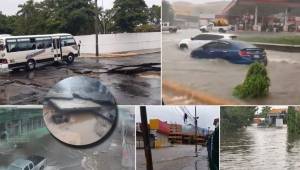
[(222, 50), (212, 50), (209, 50)]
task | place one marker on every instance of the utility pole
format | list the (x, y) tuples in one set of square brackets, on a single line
[(96, 27), (145, 131), (103, 18), (196, 130)]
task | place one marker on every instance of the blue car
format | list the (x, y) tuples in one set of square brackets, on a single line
[(237, 52)]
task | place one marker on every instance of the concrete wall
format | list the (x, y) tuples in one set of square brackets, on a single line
[(109, 43)]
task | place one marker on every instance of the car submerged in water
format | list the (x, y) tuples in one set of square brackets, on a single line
[(202, 39), (237, 52)]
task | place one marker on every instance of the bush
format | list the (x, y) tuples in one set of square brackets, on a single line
[(256, 84), (147, 28)]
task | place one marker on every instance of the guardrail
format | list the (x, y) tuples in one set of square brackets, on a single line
[(278, 47)]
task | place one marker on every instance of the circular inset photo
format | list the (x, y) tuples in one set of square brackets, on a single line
[(80, 111)]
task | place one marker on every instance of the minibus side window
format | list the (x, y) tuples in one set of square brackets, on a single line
[(11, 45), (26, 44)]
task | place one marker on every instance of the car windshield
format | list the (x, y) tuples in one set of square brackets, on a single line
[(242, 45), (13, 168)]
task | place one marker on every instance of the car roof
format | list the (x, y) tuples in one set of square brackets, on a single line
[(28, 36), (20, 162), (214, 33), (237, 43)]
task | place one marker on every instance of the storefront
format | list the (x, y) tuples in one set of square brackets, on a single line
[(263, 15)]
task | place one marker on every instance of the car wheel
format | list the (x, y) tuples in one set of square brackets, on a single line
[(30, 65), (70, 58), (222, 30), (183, 46), (203, 30)]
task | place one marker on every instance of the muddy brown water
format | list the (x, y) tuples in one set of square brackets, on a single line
[(259, 149), (110, 155), (30, 87), (219, 77)]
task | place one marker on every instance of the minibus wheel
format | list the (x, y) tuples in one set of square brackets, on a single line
[(70, 58), (30, 65)]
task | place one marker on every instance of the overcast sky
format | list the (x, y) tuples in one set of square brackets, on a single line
[(10, 7), (173, 114)]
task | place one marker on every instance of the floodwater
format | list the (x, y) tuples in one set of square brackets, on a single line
[(120, 42), (116, 152), (219, 77), (259, 149)]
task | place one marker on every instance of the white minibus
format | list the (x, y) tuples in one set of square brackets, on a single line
[(27, 51)]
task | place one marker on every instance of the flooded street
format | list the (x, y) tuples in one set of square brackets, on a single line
[(219, 77), (116, 152), (179, 157), (260, 149), (141, 86)]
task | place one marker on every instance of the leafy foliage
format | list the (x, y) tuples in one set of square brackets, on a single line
[(236, 117), (293, 121), (155, 14), (256, 84), (129, 13), (77, 17), (265, 111)]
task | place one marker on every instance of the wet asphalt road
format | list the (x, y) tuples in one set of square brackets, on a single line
[(179, 157), (23, 87), (219, 77), (116, 152)]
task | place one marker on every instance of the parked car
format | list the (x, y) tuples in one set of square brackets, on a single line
[(238, 52), (31, 163), (213, 27), (166, 26), (202, 39)]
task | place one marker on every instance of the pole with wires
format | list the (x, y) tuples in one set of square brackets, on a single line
[(145, 131), (96, 27), (187, 115), (196, 130)]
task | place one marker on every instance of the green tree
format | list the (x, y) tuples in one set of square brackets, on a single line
[(53, 16), (293, 121), (256, 83), (155, 14), (236, 117), (129, 13), (106, 21), (167, 12), (265, 111), (5, 24)]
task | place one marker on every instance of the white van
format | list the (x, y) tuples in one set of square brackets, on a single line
[(27, 51)]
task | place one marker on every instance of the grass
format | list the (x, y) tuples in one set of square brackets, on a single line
[(289, 40)]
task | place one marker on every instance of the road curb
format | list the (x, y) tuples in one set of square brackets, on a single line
[(200, 96)]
